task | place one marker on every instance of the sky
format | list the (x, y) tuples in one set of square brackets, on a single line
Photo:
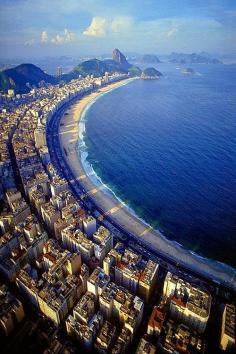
[(38, 28)]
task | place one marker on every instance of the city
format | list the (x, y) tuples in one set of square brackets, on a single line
[(72, 282)]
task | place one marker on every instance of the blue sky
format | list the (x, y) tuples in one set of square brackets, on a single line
[(93, 27)]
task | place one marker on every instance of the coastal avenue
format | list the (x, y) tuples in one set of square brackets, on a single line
[(63, 149)]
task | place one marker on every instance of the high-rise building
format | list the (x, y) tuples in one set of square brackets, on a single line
[(148, 280), (227, 339), (117, 303), (11, 311), (40, 137), (188, 304), (97, 282), (89, 225), (145, 347), (59, 71)]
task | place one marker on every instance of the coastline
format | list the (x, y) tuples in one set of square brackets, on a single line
[(71, 136)]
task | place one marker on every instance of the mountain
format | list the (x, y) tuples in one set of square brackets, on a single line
[(22, 77), (149, 59), (201, 58), (98, 67), (151, 73), (118, 57), (91, 67)]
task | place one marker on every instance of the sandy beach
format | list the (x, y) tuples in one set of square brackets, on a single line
[(117, 211)]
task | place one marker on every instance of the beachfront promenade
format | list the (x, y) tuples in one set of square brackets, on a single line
[(112, 209)]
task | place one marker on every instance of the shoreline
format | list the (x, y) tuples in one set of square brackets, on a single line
[(70, 134)]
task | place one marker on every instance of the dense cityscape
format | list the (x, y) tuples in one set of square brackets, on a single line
[(70, 281)]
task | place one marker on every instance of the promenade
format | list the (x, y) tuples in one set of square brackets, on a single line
[(118, 213)]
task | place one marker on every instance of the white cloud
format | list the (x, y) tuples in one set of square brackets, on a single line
[(97, 28), (44, 37), (172, 32), (67, 37), (29, 42), (101, 26)]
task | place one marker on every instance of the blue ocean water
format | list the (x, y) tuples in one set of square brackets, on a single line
[(167, 148)]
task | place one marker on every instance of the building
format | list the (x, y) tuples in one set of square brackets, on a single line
[(156, 321), (106, 338), (188, 304), (145, 347), (103, 243), (128, 271), (117, 303), (148, 280), (85, 322), (75, 241), (59, 71), (40, 137), (123, 342), (85, 308), (11, 311), (58, 185), (89, 225), (50, 214), (227, 338), (97, 282), (178, 339)]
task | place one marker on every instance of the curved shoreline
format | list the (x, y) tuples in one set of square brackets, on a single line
[(70, 137)]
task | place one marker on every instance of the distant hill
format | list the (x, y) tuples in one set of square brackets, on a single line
[(97, 67), (151, 73), (25, 76), (149, 59), (201, 58), (22, 77)]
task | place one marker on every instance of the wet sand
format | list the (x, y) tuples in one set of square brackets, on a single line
[(118, 212)]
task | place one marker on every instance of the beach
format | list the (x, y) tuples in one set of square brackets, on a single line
[(70, 138)]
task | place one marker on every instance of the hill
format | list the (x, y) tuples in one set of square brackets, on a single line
[(151, 73), (149, 59), (22, 77), (201, 58), (97, 67), (25, 76)]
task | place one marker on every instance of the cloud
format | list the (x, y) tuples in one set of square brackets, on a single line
[(101, 26), (67, 37), (29, 42), (97, 28), (172, 32), (44, 37)]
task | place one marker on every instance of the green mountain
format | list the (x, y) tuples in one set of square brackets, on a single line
[(97, 67), (90, 67), (151, 73), (23, 77)]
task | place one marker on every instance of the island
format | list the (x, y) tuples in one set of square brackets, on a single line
[(150, 74), (150, 59), (188, 71)]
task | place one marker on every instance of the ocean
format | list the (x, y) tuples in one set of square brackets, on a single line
[(167, 149)]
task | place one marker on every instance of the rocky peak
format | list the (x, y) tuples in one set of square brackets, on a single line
[(119, 57)]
